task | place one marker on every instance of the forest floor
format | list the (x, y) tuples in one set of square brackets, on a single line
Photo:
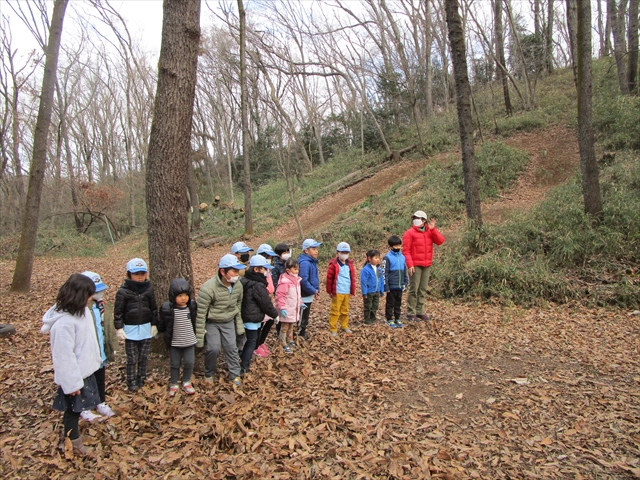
[(483, 391)]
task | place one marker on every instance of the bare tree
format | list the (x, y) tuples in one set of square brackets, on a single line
[(244, 115), (465, 120), (501, 75), (588, 164), (632, 39), (616, 14), (170, 144), (24, 263)]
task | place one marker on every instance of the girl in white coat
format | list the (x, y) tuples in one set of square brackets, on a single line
[(75, 354)]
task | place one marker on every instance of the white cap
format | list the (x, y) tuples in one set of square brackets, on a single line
[(420, 214), (343, 247)]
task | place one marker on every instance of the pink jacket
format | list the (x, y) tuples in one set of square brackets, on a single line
[(288, 297)]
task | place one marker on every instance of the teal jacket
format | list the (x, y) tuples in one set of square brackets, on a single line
[(217, 305)]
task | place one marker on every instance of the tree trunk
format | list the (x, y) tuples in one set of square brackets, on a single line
[(549, 39), (501, 77), (24, 264), (632, 36), (601, 32), (465, 120), (170, 145), (588, 165), (616, 18), (244, 105), (572, 26), (194, 201)]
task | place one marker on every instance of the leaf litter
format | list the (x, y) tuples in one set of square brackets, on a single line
[(492, 393)]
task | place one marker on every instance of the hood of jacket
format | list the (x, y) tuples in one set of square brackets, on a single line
[(255, 277), (178, 286), (51, 317)]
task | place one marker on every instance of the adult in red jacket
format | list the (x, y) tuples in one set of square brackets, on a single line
[(417, 247)]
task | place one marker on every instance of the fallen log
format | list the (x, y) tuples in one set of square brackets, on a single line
[(395, 155), (210, 241)]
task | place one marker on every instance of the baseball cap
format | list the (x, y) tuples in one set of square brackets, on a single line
[(230, 261), (343, 247), (100, 286), (241, 247), (310, 243), (136, 265), (420, 214), (266, 248), (259, 261)]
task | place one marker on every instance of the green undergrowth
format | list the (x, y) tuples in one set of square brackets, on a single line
[(63, 242), (438, 188), (554, 252)]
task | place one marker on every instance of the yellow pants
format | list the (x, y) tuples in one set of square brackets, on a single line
[(339, 310)]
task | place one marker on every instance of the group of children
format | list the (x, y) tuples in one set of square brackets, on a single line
[(233, 311)]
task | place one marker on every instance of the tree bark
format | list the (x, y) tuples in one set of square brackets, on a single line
[(572, 26), (549, 39), (499, 41), (170, 145), (244, 106), (465, 120), (194, 200), (632, 39), (616, 18), (588, 165), (24, 263)]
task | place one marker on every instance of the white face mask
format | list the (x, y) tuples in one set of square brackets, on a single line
[(417, 222), (343, 256), (293, 274), (285, 256), (233, 279), (98, 296), (268, 261)]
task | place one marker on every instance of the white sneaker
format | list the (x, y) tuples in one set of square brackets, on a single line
[(89, 416), (105, 410)]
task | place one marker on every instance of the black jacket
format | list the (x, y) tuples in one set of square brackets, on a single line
[(165, 323), (256, 302), (278, 269), (135, 304)]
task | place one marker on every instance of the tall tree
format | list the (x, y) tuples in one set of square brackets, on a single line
[(24, 263), (632, 39), (500, 63), (616, 14), (465, 120), (244, 115), (170, 144), (588, 165)]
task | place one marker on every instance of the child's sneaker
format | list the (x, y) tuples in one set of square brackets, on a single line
[(334, 334), (399, 323), (208, 380), (347, 330), (173, 389), (287, 349), (188, 388), (392, 324), (293, 346), (237, 381), (105, 410), (259, 352), (265, 349), (89, 416)]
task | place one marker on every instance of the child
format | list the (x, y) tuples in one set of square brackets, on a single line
[(75, 354), (372, 286), (396, 279), (256, 305), (241, 251), (108, 343), (289, 302), (283, 252), (219, 304), (135, 316), (309, 281), (178, 322), (341, 283), (270, 256)]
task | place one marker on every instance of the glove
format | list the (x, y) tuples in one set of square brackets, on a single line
[(283, 313), (121, 335), (277, 319), (303, 307), (154, 330)]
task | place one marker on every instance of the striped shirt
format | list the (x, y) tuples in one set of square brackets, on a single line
[(183, 335)]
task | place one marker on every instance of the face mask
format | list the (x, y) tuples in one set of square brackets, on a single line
[(417, 222), (244, 257), (98, 296), (285, 256), (397, 249), (268, 261), (343, 256), (233, 279), (293, 274)]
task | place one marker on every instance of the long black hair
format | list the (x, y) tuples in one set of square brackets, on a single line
[(74, 294)]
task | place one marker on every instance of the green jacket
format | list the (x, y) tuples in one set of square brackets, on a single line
[(217, 305)]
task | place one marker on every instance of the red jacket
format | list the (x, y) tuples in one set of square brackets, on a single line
[(332, 276), (417, 246)]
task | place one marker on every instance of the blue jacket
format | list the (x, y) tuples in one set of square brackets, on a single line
[(396, 276), (310, 282), (369, 282)]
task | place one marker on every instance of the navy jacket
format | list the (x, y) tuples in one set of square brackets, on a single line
[(396, 276)]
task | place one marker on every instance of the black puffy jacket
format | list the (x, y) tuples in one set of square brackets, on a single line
[(256, 302), (135, 304), (165, 324)]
